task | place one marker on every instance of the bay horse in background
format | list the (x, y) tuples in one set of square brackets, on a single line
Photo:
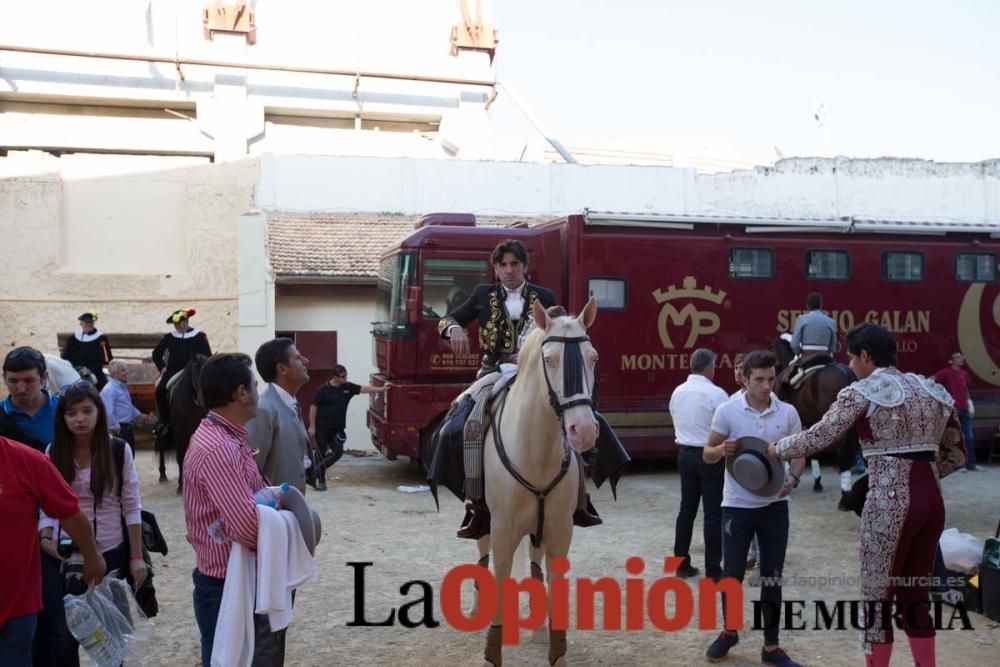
[(811, 400), (531, 475), (186, 412)]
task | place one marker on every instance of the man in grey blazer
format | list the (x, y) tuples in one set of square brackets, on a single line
[(278, 432), (814, 337), (814, 331)]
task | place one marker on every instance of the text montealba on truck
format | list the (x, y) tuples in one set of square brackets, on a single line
[(668, 284)]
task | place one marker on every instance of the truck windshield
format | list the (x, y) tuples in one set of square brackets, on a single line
[(449, 282), (395, 274)]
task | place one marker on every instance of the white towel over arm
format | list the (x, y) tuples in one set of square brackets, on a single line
[(283, 564), (233, 643)]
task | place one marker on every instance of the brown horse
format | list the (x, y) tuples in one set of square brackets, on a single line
[(813, 398), (185, 415)]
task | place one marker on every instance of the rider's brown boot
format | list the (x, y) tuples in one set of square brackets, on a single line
[(477, 521)]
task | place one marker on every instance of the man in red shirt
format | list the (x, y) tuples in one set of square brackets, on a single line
[(28, 480), (957, 381)]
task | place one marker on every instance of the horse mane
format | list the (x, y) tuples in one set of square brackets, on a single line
[(185, 392), (528, 354), (186, 410)]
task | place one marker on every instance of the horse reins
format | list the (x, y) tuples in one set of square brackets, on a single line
[(573, 375)]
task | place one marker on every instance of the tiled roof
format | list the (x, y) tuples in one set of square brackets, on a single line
[(340, 245)]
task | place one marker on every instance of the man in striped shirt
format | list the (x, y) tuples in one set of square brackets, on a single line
[(220, 479)]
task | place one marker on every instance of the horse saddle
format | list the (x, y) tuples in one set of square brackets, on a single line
[(806, 365), (445, 448), (800, 376)]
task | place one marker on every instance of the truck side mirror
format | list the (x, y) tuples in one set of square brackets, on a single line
[(412, 305)]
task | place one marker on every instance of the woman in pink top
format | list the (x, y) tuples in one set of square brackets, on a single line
[(101, 472)]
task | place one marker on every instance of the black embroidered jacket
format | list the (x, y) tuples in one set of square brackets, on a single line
[(498, 334)]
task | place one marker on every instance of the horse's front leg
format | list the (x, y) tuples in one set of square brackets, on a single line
[(536, 554), (483, 544), (556, 544), (504, 544)]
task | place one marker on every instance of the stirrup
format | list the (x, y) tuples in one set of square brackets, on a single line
[(588, 516), (476, 523)]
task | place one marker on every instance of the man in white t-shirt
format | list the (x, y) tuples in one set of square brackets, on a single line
[(760, 414), (692, 406)]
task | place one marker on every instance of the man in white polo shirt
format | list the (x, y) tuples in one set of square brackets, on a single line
[(692, 406), (746, 513)]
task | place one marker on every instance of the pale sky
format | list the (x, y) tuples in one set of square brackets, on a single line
[(902, 78)]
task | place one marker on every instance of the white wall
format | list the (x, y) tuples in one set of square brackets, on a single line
[(802, 187), (348, 311), (133, 237), (227, 107), (256, 283)]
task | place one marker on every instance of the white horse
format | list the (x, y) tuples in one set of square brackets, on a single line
[(61, 373), (531, 477)]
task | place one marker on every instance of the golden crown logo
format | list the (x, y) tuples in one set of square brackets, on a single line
[(702, 322)]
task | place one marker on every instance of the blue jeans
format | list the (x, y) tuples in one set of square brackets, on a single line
[(970, 440), (700, 482), (207, 598), (268, 647), (15, 640), (770, 525)]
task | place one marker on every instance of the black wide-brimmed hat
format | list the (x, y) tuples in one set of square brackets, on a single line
[(180, 315), (89, 316), (754, 470)]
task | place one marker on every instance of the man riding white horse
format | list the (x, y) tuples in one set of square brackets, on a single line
[(503, 310), (539, 425)]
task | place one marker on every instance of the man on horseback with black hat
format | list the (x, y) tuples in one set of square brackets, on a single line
[(177, 347), (503, 310)]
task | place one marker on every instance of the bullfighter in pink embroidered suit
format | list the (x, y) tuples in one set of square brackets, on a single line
[(910, 437)]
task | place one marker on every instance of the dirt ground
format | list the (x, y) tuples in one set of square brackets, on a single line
[(366, 518)]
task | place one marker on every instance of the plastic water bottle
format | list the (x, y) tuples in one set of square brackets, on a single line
[(103, 648), (270, 495)]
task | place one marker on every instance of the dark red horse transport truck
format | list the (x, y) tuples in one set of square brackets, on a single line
[(668, 284)]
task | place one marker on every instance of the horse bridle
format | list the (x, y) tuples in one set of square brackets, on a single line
[(574, 375)]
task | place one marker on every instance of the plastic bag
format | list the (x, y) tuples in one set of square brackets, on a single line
[(962, 552), (103, 644), (108, 622), (141, 628)]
